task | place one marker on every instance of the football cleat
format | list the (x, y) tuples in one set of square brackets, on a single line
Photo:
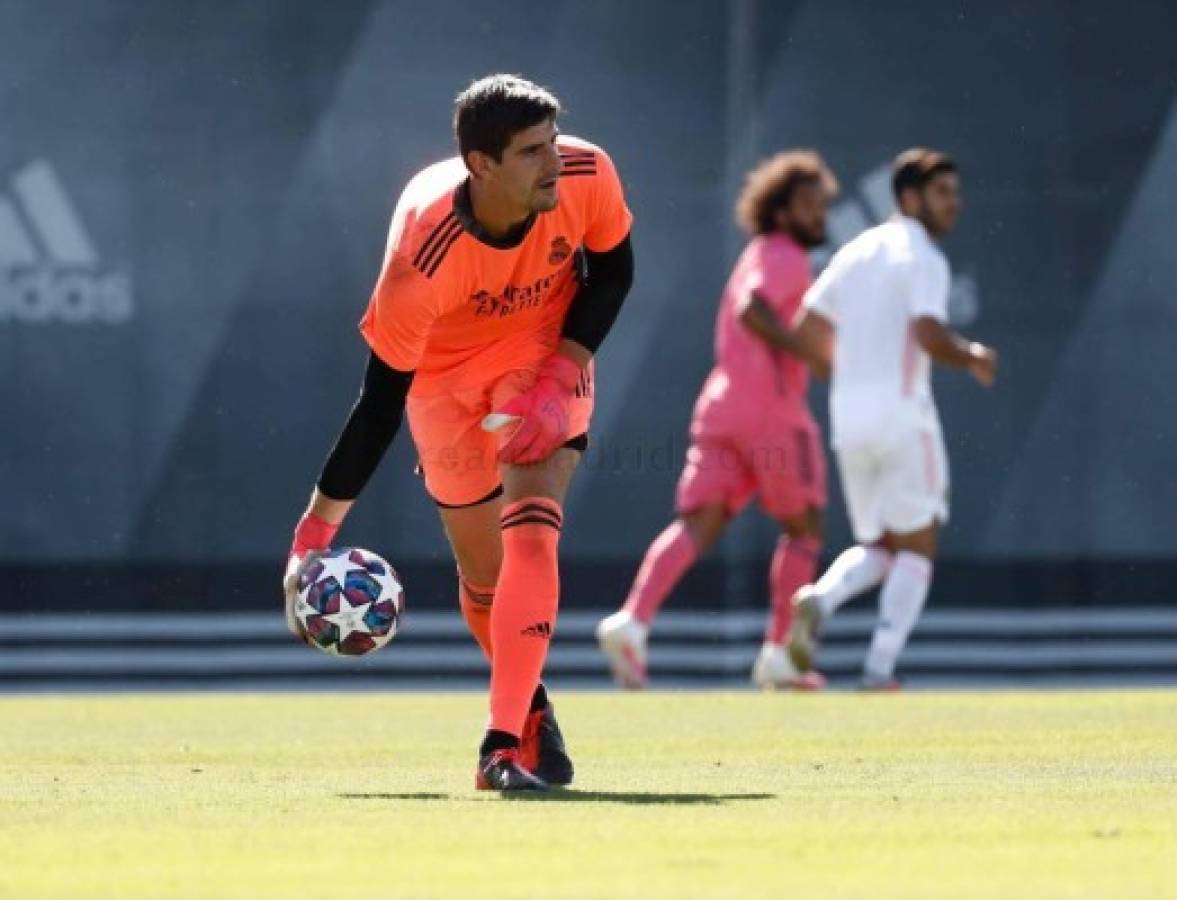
[(623, 639), (880, 684), (774, 671), (500, 770), (541, 748), (806, 631)]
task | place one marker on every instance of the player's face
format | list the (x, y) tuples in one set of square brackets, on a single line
[(940, 199), (804, 219), (530, 168)]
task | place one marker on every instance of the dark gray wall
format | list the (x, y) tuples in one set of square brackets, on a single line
[(173, 375)]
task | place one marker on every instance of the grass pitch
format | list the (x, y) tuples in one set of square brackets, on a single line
[(956, 795)]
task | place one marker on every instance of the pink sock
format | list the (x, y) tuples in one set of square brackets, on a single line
[(667, 560), (793, 564)]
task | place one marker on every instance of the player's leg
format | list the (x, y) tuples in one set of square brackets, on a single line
[(864, 565), (855, 570), (475, 536), (623, 635), (794, 562), (905, 590), (523, 726), (462, 476), (915, 503), (714, 485), (473, 533), (526, 598), (791, 480), (671, 555)]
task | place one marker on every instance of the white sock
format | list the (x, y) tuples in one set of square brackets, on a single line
[(900, 603), (854, 571)]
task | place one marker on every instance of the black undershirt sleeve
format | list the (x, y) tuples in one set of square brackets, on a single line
[(370, 428), (607, 280)]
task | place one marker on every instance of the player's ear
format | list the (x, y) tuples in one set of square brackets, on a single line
[(910, 202), (479, 163)]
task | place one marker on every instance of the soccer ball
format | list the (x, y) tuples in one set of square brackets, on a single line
[(350, 602)]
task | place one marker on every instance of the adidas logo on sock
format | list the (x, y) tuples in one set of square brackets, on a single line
[(539, 630), (50, 271)]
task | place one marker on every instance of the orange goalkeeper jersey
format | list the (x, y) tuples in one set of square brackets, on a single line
[(459, 309)]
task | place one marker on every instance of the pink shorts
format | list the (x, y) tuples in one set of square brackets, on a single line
[(780, 462)]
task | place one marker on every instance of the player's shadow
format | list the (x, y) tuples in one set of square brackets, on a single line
[(564, 795), (633, 798)]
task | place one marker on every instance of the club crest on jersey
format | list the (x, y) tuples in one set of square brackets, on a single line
[(560, 251)]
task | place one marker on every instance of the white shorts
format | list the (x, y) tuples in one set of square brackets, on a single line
[(897, 485)]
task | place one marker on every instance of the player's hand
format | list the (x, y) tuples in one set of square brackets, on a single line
[(312, 538), (295, 566), (983, 365), (540, 413)]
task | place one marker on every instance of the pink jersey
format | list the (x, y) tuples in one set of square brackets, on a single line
[(747, 370)]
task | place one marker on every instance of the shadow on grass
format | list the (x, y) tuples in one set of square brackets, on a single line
[(637, 798), (564, 795), (423, 795)]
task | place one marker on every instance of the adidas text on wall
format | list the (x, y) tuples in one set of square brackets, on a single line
[(50, 271)]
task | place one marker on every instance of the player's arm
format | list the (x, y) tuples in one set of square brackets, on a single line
[(949, 348), (809, 337), (370, 427), (759, 318), (541, 413), (929, 314), (594, 309), (396, 326), (814, 335), (608, 258)]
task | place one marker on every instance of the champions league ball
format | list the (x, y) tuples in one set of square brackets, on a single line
[(350, 602)]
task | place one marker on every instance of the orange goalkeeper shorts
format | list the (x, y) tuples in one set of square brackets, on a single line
[(459, 459)]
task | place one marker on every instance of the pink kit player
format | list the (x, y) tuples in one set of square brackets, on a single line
[(752, 434)]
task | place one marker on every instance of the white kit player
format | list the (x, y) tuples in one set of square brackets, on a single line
[(884, 297)]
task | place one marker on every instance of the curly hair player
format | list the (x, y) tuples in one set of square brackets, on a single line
[(752, 434)]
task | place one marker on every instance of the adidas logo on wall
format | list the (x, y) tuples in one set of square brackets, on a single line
[(851, 217), (50, 271)]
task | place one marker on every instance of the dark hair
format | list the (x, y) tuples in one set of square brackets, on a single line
[(914, 168), (770, 186), (495, 108)]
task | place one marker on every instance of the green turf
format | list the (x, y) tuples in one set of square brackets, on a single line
[(1005, 795)]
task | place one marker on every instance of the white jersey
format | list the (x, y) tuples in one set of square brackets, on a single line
[(874, 288)]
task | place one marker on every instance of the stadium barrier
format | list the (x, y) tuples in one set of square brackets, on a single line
[(950, 647)]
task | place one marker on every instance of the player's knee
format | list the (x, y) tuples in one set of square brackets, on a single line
[(531, 527), (547, 481), (475, 594), (807, 524), (482, 569), (922, 542), (705, 525)]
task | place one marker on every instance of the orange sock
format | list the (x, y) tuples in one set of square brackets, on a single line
[(476, 606), (524, 610)]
